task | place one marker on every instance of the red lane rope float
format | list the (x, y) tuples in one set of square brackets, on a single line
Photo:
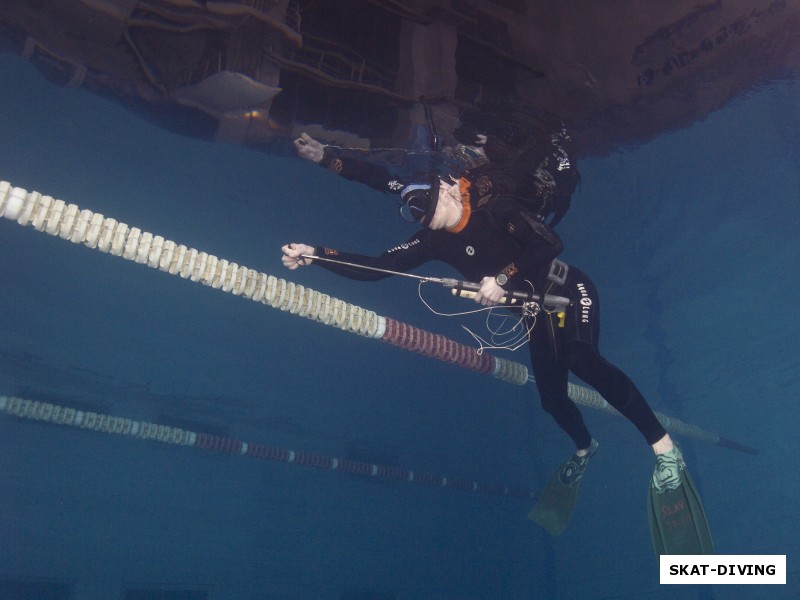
[(70, 417), (436, 346)]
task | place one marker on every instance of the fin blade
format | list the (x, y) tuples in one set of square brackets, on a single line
[(678, 522), (555, 506)]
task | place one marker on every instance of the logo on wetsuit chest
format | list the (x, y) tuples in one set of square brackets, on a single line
[(586, 303), (405, 246), (470, 251)]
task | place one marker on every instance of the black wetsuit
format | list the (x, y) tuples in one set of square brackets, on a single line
[(502, 237)]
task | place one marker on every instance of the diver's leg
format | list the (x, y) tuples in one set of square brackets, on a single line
[(618, 390), (557, 501), (551, 381), (582, 355), (678, 523)]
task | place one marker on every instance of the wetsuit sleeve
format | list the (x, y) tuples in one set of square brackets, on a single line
[(402, 258), (538, 243), (353, 168)]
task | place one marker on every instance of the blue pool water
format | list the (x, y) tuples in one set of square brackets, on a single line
[(691, 238)]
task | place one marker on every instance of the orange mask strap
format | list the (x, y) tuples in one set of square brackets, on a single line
[(466, 207)]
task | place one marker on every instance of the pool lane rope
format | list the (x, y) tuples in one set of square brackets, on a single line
[(93, 230), (65, 416)]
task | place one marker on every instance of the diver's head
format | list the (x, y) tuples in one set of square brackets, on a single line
[(435, 207)]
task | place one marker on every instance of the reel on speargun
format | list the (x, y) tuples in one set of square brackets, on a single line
[(529, 302)]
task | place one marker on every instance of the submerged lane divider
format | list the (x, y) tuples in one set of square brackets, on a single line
[(107, 235), (70, 417)]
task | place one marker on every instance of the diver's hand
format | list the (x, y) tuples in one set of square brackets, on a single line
[(309, 148), (490, 293), (292, 255)]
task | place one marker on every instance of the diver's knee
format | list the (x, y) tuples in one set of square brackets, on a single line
[(580, 354), (551, 403)]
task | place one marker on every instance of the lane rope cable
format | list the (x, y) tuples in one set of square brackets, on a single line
[(66, 416)]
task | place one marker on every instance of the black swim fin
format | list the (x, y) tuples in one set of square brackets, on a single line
[(554, 508), (678, 523)]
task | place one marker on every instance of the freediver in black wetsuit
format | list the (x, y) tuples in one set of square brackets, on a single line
[(500, 242)]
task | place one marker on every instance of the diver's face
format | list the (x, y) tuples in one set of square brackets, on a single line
[(447, 215), (448, 209)]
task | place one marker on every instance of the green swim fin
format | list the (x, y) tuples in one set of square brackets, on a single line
[(555, 505), (678, 523)]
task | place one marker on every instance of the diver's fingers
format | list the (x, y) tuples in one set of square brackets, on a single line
[(293, 255), (490, 292), (288, 262), (309, 148), (293, 250), (484, 300)]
